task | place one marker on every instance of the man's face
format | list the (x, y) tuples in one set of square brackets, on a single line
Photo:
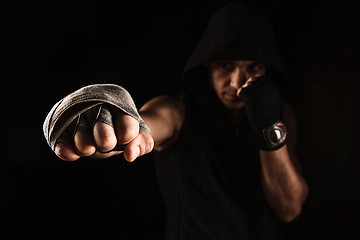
[(227, 78)]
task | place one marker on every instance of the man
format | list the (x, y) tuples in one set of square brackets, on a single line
[(225, 161)]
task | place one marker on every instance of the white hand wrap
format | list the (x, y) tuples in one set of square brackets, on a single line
[(67, 111)]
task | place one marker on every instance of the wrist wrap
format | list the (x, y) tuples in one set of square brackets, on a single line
[(263, 104), (274, 136)]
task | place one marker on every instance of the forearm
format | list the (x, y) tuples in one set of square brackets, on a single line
[(284, 187), (160, 129), (164, 115)]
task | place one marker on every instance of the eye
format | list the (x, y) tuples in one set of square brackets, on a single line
[(256, 68), (226, 65)]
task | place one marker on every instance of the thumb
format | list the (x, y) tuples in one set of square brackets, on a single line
[(142, 144)]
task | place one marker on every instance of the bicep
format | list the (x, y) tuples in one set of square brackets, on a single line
[(164, 116)]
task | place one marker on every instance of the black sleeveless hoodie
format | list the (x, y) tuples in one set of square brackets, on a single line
[(210, 178)]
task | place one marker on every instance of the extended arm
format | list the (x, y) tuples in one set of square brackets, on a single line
[(111, 130)]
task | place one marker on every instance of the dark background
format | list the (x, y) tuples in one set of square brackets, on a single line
[(49, 50)]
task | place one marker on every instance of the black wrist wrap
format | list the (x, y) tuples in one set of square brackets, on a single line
[(263, 109), (274, 136)]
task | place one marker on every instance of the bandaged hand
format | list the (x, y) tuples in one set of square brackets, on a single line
[(99, 121), (263, 104)]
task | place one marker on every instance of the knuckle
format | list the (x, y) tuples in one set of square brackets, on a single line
[(146, 145), (85, 150), (59, 151), (149, 143), (84, 144), (106, 142), (63, 152), (104, 137), (128, 133), (144, 148), (141, 150)]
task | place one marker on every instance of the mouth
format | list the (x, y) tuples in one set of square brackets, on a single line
[(231, 96)]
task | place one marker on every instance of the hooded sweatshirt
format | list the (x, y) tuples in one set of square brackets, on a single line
[(237, 31), (210, 178)]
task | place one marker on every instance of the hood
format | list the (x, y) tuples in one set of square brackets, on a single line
[(237, 31)]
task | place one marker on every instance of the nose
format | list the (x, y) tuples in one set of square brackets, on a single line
[(238, 78)]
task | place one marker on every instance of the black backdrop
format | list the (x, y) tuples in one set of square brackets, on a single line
[(49, 50)]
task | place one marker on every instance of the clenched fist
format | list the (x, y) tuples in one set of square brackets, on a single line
[(100, 139)]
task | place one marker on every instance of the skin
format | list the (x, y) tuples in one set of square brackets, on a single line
[(284, 187)]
